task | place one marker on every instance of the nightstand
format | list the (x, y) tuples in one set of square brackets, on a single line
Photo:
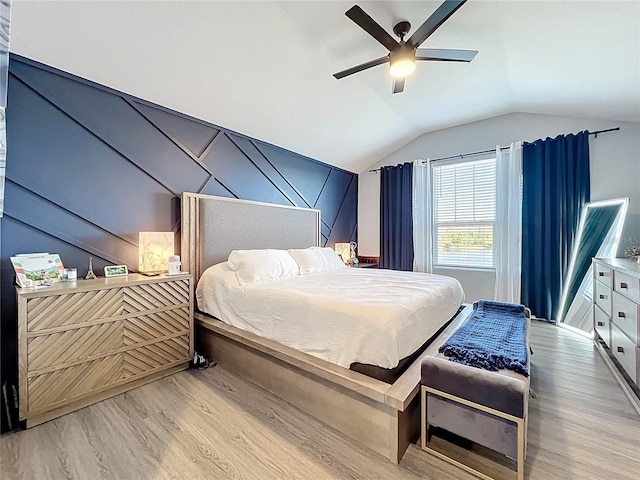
[(368, 261), (365, 265), (81, 342)]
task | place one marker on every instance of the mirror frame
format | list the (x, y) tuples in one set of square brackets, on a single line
[(617, 225)]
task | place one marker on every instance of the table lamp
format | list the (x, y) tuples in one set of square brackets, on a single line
[(154, 250), (344, 250)]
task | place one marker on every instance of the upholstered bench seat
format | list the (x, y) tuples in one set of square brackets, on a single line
[(486, 407)]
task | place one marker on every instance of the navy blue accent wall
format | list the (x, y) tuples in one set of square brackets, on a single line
[(89, 167)]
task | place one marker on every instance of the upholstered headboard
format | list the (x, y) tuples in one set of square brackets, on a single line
[(214, 226)]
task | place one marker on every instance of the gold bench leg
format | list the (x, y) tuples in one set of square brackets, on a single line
[(521, 447), (521, 424)]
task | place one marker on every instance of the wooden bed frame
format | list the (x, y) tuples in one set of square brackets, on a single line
[(382, 417)]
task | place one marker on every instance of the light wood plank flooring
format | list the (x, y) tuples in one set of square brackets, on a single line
[(212, 425)]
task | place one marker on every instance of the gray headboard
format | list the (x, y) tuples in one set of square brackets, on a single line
[(214, 226)]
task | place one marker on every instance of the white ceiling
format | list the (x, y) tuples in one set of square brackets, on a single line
[(265, 68)]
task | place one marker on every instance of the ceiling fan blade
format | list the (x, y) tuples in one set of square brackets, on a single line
[(370, 26), (436, 19), (361, 67), (398, 85), (445, 54)]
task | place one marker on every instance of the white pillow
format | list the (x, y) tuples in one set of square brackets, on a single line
[(255, 266), (309, 260), (316, 259), (332, 259)]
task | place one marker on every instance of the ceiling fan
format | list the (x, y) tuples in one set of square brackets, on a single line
[(402, 55)]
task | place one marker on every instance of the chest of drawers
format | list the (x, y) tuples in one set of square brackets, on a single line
[(80, 342), (616, 311)]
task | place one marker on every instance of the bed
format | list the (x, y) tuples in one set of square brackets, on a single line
[(378, 415), (346, 316)]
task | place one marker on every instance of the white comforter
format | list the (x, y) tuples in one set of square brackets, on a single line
[(343, 316)]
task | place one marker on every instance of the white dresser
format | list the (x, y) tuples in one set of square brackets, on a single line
[(616, 310)]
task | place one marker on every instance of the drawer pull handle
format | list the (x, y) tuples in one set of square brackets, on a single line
[(601, 324), (602, 297), (623, 285), (621, 314), (601, 274), (620, 350)]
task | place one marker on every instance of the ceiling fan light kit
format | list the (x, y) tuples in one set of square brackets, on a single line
[(402, 68), (403, 55), (403, 62)]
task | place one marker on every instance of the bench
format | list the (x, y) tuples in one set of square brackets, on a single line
[(486, 407)]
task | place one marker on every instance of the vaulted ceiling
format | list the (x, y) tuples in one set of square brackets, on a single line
[(265, 68)]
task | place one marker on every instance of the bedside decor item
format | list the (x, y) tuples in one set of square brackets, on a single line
[(90, 275), (344, 250), (36, 269), (69, 275), (154, 250), (353, 258), (633, 252), (174, 265), (115, 270)]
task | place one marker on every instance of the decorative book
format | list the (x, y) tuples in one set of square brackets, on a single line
[(35, 269)]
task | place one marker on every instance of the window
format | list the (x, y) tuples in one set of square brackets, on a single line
[(464, 213)]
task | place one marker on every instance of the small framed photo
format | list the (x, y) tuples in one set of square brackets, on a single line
[(115, 270)]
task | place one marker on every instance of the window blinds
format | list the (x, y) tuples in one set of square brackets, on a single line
[(464, 213)]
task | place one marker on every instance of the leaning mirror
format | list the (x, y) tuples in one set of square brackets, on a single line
[(598, 236)]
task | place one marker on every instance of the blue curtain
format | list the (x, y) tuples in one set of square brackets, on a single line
[(555, 187), (396, 221)]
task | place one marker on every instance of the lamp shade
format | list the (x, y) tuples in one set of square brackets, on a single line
[(154, 250), (344, 250)]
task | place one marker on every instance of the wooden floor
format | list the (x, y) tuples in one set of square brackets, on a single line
[(211, 425)]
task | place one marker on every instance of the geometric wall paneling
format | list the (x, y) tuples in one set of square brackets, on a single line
[(32, 209), (82, 175), (19, 237), (214, 187), (112, 120), (325, 231), (233, 169), (264, 165), (192, 135), (89, 167), (308, 177), (333, 195), (346, 218)]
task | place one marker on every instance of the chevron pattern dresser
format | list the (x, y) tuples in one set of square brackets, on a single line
[(81, 342)]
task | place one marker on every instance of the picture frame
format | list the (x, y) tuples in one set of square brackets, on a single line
[(116, 271)]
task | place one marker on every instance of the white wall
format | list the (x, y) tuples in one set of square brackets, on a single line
[(615, 172)]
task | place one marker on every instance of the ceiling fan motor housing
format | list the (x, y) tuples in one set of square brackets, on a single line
[(402, 52), (401, 29)]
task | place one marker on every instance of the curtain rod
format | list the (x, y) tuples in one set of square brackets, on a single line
[(462, 155)]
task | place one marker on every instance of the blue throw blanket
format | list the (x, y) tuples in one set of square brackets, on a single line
[(492, 338)]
